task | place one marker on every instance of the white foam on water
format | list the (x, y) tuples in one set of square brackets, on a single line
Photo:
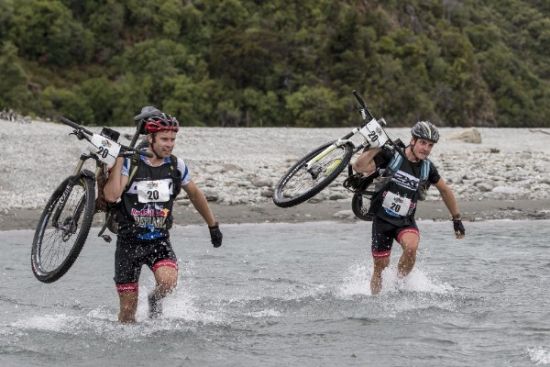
[(265, 313), (416, 281), (539, 355), (97, 322), (179, 312), (358, 282), (181, 305), (56, 322)]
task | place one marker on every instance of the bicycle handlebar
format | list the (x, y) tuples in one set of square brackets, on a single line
[(74, 125), (363, 105), (126, 151)]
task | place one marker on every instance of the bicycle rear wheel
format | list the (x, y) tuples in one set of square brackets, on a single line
[(63, 228), (301, 183)]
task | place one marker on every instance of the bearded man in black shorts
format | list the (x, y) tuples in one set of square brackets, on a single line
[(147, 188), (394, 204)]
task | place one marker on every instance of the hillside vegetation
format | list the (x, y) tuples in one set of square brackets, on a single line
[(278, 63)]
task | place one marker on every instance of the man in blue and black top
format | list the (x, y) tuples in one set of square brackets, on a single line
[(145, 189), (404, 182)]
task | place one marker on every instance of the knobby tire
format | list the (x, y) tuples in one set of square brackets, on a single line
[(285, 200), (53, 250)]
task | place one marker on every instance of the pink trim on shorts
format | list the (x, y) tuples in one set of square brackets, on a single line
[(166, 262), (127, 287), (407, 230), (378, 254)]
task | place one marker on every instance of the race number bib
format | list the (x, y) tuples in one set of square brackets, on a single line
[(374, 134), (153, 191), (106, 149), (396, 204)]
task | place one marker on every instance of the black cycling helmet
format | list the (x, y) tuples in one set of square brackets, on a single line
[(154, 120), (425, 130)]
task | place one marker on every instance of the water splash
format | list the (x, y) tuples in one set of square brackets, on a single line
[(56, 322), (265, 313), (539, 355), (183, 306), (358, 282), (416, 281)]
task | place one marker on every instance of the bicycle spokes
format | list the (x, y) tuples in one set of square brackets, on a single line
[(57, 239), (67, 213), (305, 179)]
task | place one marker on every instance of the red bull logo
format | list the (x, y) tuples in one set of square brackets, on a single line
[(146, 212)]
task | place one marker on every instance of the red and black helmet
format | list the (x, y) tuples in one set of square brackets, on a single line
[(152, 120), (160, 122)]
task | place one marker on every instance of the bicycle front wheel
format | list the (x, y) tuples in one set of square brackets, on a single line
[(63, 228), (302, 182)]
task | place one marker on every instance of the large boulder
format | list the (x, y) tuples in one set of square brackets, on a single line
[(471, 135)]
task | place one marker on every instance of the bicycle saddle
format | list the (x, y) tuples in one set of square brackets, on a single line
[(147, 112)]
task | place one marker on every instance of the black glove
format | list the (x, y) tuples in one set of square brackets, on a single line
[(353, 181), (216, 235), (459, 228)]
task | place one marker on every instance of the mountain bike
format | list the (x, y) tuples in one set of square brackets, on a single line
[(66, 220), (317, 169)]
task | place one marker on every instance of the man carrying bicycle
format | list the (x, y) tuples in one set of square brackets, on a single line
[(394, 204), (147, 188)]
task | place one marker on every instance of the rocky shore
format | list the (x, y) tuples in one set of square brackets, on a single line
[(505, 175)]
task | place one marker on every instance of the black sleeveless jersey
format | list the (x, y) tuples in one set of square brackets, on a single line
[(145, 210), (396, 202)]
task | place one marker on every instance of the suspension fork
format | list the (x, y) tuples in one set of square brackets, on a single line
[(343, 140), (67, 192)]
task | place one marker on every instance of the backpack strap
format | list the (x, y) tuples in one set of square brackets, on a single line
[(393, 167), (424, 170), (388, 172), (134, 162), (176, 175), (394, 164)]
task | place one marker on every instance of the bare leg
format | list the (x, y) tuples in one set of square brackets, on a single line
[(128, 307), (166, 278), (380, 263), (409, 242)]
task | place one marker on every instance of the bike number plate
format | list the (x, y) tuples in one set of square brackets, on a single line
[(105, 149), (157, 191), (396, 204), (374, 134)]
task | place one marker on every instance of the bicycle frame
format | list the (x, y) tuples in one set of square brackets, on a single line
[(78, 172), (65, 223), (316, 170), (372, 134), (82, 133)]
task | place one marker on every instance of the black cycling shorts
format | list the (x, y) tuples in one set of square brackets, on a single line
[(131, 255), (383, 234)]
